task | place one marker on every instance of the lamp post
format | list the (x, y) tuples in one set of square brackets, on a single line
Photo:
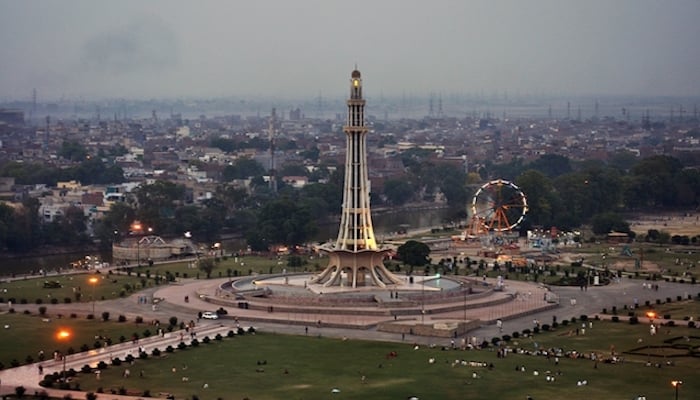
[(465, 290), (676, 385), (137, 230), (63, 335), (422, 300), (138, 252), (93, 282)]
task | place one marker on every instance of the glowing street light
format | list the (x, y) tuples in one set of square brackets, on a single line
[(676, 385), (93, 282), (63, 335)]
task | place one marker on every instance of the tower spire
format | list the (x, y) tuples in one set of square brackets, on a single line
[(355, 259)]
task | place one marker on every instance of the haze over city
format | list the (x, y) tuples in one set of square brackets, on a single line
[(300, 49)]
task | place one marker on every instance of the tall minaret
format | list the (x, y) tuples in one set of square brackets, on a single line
[(355, 260), (356, 232)]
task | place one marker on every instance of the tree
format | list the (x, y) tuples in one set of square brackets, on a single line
[(72, 150), (552, 165), (413, 253), (608, 222), (398, 191), (243, 168), (206, 265), (543, 200)]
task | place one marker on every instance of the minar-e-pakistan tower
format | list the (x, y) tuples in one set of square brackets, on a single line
[(355, 260)]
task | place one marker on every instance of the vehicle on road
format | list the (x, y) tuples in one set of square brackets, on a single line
[(210, 315)]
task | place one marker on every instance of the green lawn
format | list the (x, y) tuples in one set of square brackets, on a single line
[(71, 287), (301, 367), (25, 336), (310, 367), (232, 266)]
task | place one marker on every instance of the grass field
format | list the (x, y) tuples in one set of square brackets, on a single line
[(269, 366), (25, 336), (71, 288), (310, 368)]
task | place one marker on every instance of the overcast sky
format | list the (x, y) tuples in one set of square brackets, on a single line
[(303, 48)]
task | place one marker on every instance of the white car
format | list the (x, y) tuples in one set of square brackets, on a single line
[(210, 315)]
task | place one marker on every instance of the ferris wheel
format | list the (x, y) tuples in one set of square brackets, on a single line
[(499, 206)]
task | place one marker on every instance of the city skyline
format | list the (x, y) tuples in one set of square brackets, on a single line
[(177, 49)]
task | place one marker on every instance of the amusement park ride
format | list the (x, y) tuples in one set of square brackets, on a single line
[(497, 208)]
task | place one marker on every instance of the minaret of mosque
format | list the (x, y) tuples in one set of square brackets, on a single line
[(355, 260), (356, 232)]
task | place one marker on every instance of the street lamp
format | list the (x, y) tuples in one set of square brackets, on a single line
[(676, 385), (465, 290), (93, 282), (63, 335), (422, 300)]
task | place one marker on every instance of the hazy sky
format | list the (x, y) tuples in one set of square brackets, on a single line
[(303, 48)]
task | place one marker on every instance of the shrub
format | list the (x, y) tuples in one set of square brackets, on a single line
[(105, 316), (90, 316), (182, 346), (169, 349), (54, 301), (121, 318), (584, 317), (545, 327), (615, 318), (86, 369), (194, 343), (116, 362), (42, 310), (143, 355), (218, 337), (495, 340), (633, 320), (667, 316), (230, 334), (516, 335), (26, 312), (90, 396), (671, 323), (691, 324), (506, 338), (155, 352), (84, 347), (138, 319)]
